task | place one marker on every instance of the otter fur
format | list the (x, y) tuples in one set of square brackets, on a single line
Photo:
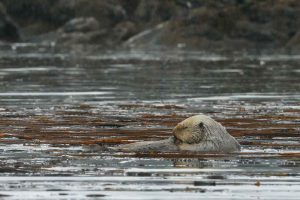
[(198, 133)]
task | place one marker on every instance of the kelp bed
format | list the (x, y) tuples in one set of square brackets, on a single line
[(59, 112)]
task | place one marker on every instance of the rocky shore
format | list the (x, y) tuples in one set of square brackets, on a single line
[(187, 24)]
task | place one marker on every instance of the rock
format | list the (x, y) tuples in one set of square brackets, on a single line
[(93, 37), (37, 17), (107, 13), (129, 6), (81, 24), (294, 42), (225, 26), (253, 32), (191, 24), (29, 9), (8, 29), (76, 31), (147, 38), (82, 30), (124, 30), (40, 17), (155, 10)]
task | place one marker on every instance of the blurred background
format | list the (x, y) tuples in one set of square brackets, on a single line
[(187, 24)]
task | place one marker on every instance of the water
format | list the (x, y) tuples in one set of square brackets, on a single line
[(59, 106)]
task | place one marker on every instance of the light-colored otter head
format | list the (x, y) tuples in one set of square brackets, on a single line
[(190, 130), (196, 129), (203, 134)]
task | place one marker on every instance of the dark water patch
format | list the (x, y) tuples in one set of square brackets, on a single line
[(4, 195), (95, 195)]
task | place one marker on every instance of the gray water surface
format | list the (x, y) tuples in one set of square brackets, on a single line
[(59, 106)]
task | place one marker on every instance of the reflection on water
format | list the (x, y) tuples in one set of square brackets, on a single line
[(58, 107)]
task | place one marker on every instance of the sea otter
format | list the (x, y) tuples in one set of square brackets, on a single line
[(198, 133)]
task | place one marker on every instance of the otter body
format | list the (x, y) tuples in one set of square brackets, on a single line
[(167, 145), (198, 133)]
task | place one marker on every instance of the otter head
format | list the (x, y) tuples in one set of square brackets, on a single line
[(191, 130)]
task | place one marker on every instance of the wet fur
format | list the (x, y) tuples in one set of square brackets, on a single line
[(198, 133)]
